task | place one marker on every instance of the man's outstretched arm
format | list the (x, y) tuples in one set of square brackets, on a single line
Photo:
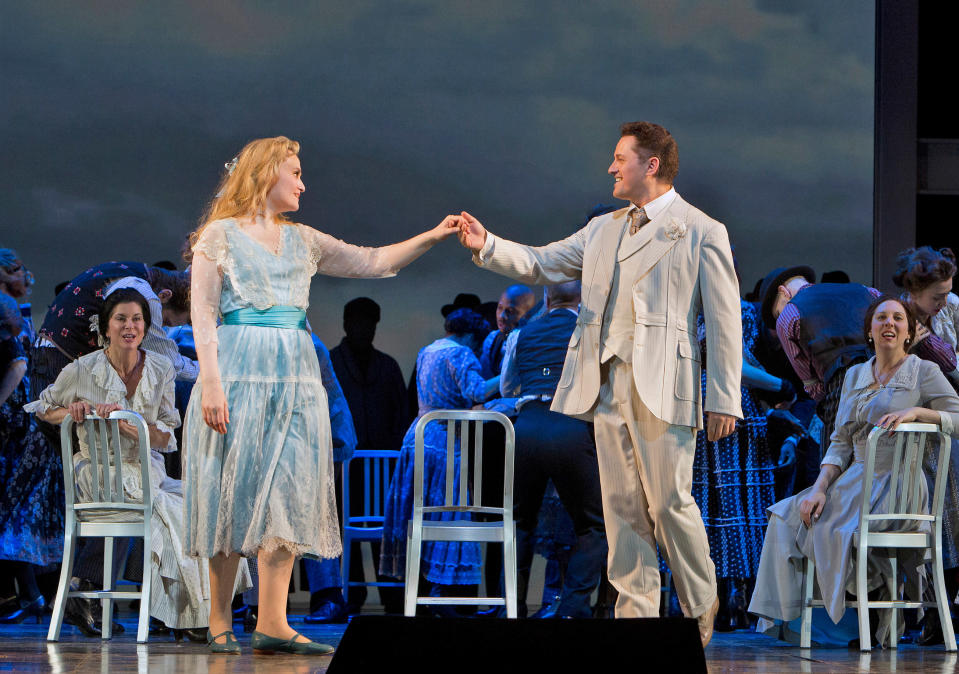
[(556, 262)]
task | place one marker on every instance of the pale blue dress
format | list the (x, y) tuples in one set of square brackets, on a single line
[(268, 482)]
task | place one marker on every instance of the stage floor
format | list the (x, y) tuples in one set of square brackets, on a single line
[(23, 648)]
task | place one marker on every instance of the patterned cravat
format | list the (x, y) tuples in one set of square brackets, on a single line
[(637, 219)]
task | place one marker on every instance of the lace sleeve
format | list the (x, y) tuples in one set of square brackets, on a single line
[(206, 280), (334, 257)]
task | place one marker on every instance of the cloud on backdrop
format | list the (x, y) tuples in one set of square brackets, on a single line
[(117, 118)]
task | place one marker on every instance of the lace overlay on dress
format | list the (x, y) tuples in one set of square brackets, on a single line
[(231, 258)]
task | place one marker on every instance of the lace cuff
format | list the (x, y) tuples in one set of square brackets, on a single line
[(171, 443)]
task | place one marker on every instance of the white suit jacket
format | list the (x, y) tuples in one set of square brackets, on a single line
[(685, 266)]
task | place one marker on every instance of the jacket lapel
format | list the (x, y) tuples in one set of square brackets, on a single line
[(596, 292), (657, 243)]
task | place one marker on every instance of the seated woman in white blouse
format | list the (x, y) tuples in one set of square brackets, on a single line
[(123, 376), (820, 522)]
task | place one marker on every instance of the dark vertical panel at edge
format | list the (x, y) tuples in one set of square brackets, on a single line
[(894, 192)]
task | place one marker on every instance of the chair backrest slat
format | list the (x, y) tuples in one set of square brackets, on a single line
[(918, 447), (117, 451), (93, 445), (105, 459), (478, 464), (450, 459), (895, 493)]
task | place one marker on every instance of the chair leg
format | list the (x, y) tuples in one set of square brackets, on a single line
[(146, 590), (106, 601), (66, 573), (414, 543), (893, 585), (809, 579), (509, 568), (345, 567), (942, 602), (862, 600)]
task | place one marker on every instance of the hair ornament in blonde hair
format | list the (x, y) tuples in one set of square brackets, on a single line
[(231, 165)]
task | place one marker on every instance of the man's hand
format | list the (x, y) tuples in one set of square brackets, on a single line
[(472, 233), (718, 426)]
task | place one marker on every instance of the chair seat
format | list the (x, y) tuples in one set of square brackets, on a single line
[(362, 533), (109, 515)]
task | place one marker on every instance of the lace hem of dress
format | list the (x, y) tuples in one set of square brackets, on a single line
[(330, 548)]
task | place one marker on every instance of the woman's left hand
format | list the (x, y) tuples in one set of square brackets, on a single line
[(892, 420)]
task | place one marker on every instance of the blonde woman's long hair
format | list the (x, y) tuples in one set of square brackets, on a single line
[(243, 188)]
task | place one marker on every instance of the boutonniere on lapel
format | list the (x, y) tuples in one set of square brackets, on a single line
[(675, 229)]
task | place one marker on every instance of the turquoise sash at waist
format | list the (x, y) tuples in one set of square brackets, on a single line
[(291, 318)]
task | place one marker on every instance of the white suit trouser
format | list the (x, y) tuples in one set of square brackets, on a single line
[(646, 473)]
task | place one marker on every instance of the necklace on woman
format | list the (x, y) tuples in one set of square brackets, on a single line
[(881, 379)]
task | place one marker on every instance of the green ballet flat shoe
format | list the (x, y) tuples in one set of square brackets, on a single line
[(267, 645), (230, 646)]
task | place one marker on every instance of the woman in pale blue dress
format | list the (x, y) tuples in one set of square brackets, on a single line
[(258, 461), (447, 377)]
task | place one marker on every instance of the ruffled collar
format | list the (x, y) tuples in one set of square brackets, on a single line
[(907, 376), (107, 378)]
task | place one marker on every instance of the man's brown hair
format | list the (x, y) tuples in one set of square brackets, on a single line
[(652, 140)]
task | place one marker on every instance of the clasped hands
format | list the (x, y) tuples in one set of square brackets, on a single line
[(468, 229), (80, 409)]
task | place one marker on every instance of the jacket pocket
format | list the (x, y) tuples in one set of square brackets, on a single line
[(687, 372)]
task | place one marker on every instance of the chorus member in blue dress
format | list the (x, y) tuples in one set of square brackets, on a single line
[(447, 378), (31, 498), (734, 483), (258, 458)]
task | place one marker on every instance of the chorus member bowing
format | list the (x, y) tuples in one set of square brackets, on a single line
[(633, 365), (259, 467), (819, 523)]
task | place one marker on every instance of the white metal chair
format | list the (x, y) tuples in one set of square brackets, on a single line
[(467, 502), (903, 505), (377, 466), (110, 515)]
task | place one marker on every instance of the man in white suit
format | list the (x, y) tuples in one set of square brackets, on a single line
[(633, 363)]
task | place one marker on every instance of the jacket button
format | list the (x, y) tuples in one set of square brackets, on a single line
[(545, 371)]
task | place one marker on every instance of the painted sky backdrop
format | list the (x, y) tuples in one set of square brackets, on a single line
[(117, 118)]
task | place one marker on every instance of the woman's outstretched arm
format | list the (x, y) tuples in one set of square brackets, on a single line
[(338, 258)]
